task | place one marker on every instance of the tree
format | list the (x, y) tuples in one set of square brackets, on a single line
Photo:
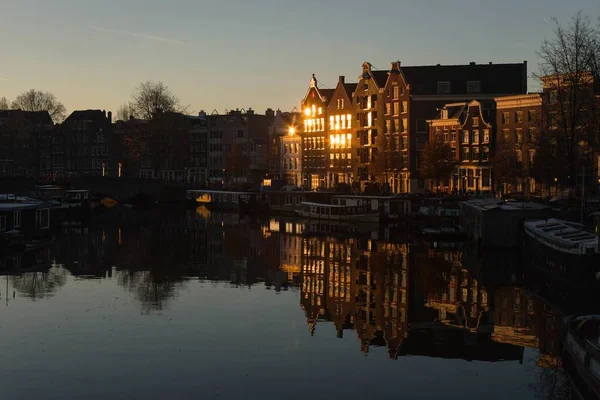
[(506, 165), (150, 99), (35, 100), (4, 103), (568, 67), (387, 160), (548, 165), (437, 162), (160, 140), (124, 112)]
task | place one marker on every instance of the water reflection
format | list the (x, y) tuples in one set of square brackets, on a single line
[(393, 295)]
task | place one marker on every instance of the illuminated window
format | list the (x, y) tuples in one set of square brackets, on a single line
[(396, 92), (307, 112), (320, 111), (348, 121), (337, 122), (322, 124), (341, 103), (396, 108), (388, 108), (331, 123), (343, 121), (314, 110)]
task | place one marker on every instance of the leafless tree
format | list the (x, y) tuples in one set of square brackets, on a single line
[(153, 98), (3, 103), (437, 162), (567, 69), (124, 112), (35, 100)]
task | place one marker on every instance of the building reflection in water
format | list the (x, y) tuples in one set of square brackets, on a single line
[(399, 295)]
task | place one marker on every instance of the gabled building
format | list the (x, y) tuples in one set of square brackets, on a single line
[(20, 146), (340, 157), (290, 149), (87, 142), (314, 135), (467, 131), (369, 105)]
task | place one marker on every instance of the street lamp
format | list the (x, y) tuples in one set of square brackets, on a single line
[(120, 168), (291, 131), (556, 186)]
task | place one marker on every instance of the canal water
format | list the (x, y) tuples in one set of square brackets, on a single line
[(193, 304)]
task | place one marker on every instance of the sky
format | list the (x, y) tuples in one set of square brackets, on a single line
[(227, 54)]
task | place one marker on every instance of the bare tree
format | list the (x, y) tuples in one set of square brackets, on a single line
[(437, 162), (124, 112), (35, 100), (4, 103), (567, 71), (506, 165), (152, 98)]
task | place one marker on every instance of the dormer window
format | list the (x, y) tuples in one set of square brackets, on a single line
[(443, 87), (473, 86), (444, 113)]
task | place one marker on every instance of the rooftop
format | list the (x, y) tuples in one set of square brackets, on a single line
[(501, 205)]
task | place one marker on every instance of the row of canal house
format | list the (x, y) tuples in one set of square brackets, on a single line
[(375, 130), (475, 134)]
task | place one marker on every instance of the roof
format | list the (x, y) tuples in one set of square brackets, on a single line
[(327, 94), (86, 115), (380, 77), (18, 206), (501, 205), (350, 88), (33, 117), (494, 78)]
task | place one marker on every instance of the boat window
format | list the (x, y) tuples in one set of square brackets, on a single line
[(335, 202), (343, 202), (313, 210)]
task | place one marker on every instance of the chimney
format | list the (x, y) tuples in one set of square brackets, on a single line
[(270, 112), (490, 63), (342, 79), (202, 114), (472, 63), (104, 112), (395, 65), (250, 111), (278, 112), (110, 117)]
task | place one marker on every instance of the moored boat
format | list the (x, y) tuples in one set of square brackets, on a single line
[(581, 350), (564, 249), (335, 212)]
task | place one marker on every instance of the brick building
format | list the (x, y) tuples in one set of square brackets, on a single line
[(290, 148), (520, 122), (390, 109), (87, 142), (470, 136), (20, 132), (238, 144), (314, 135), (340, 112)]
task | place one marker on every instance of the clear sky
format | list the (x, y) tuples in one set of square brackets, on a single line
[(223, 54)]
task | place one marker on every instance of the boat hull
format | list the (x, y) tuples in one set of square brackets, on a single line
[(371, 217), (583, 369)]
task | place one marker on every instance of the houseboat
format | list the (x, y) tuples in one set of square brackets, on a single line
[(286, 202), (77, 198), (48, 192), (24, 222), (564, 249), (389, 207), (226, 200), (581, 351), (337, 212)]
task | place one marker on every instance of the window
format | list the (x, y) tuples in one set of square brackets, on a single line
[(531, 157), (453, 136), (476, 154), (396, 125), (17, 219), (532, 116), (531, 135), (341, 103), (519, 135), (475, 122), (388, 108), (388, 126), (404, 126), (404, 143), (465, 137), (396, 108), (2, 223), (486, 136), (421, 125), (475, 137), (404, 107), (519, 116), (465, 154), (519, 156), (443, 87), (453, 152), (396, 92), (505, 117), (42, 218), (473, 86), (486, 153), (349, 121), (506, 135)]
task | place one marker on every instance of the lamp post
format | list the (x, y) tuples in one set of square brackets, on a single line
[(555, 186), (103, 168), (120, 168)]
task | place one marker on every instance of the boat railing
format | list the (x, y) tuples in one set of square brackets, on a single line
[(592, 349)]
